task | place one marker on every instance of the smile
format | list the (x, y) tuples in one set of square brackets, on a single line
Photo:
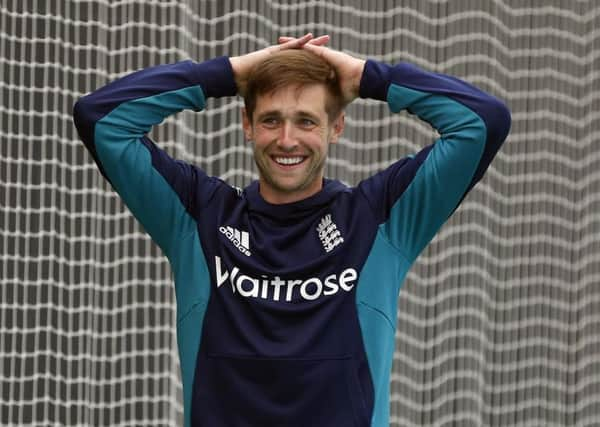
[(288, 161)]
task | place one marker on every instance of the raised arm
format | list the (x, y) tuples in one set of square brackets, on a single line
[(113, 123), (415, 196)]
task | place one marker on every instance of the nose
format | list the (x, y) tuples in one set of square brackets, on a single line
[(287, 138)]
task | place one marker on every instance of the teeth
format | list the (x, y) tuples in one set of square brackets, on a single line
[(288, 160)]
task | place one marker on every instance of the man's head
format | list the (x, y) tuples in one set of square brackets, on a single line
[(293, 111), (293, 67)]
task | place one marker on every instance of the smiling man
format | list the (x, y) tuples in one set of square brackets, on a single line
[(291, 133), (293, 112), (287, 290)]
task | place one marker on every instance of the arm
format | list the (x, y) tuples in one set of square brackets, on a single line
[(113, 122), (415, 196)]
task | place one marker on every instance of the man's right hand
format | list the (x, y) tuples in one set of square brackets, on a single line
[(242, 65)]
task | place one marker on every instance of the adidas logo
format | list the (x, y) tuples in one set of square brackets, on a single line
[(240, 239), (329, 234)]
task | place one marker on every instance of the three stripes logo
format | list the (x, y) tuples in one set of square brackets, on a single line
[(240, 239)]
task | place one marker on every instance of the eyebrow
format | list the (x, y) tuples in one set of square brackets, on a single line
[(269, 113), (277, 113)]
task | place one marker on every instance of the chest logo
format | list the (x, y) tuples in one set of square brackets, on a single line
[(289, 290), (240, 239), (329, 234)]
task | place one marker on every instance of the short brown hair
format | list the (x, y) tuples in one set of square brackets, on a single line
[(294, 67)]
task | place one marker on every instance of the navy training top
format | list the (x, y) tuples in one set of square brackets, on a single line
[(286, 313)]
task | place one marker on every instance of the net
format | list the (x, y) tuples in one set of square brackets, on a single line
[(498, 319)]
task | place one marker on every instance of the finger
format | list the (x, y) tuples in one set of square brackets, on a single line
[(292, 42), (320, 41), (324, 52), (316, 49)]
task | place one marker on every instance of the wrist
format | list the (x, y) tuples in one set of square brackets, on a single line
[(375, 80), (215, 77), (238, 73), (234, 61), (359, 69)]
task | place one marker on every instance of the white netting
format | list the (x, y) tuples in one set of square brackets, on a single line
[(498, 320)]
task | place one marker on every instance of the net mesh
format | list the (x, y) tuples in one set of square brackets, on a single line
[(498, 319)]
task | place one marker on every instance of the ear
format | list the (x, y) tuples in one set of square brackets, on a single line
[(247, 126), (337, 128)]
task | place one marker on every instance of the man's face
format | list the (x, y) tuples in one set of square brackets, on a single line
[(291, 132)]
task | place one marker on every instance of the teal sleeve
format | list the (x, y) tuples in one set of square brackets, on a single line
[(445, 171), (113, 122), (414, 196)]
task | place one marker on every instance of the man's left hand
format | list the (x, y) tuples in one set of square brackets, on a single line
[(349, 68)]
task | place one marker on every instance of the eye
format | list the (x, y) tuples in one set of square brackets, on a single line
[(306, 122), (270, 122)]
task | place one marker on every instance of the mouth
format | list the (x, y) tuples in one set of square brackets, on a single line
[(288, 161)]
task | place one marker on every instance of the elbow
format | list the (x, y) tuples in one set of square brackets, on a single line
[(85, 116), (499, 122), (82, 112)]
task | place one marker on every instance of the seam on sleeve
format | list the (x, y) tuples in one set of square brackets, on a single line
[(192, 308), (379, 312), (397, 249)]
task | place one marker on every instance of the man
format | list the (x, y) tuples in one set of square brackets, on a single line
[(286, 292)]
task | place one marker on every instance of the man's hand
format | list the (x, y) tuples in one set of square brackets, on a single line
[(242, 65), (349, 68)]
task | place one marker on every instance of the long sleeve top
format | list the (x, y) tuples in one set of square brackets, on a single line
[(286, 313)]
